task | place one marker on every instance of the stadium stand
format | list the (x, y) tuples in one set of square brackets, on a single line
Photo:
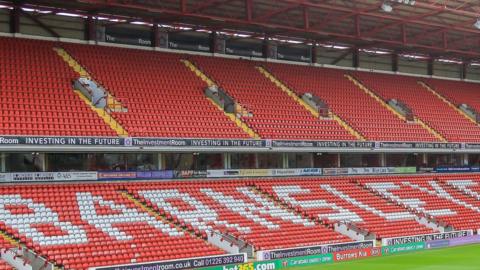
[(5, 266), (36, 96), (428, 196), (118, 223), (457, 92), (275, 114), (61, 222), (4, 245), (361, 111), (235, 208), (164, 99), (339, 200), (432, 110)]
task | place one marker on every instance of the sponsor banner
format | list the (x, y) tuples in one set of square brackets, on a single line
[(424, 237), (270, 265), (116, 175), (263, 172), (322, 144), (405, 169), (307, 260), (420, 145), (456, 169), (356, 254), (472, 239), (221, 143), (254, 172), (368, 170), (155, 174), (335, 171), (426, 169), (459, 241), (190, 174), (10, 140), (402, 248), (475, 146), (48, 176), (191, 263), (153, 142), (437, 244), (265, 255)]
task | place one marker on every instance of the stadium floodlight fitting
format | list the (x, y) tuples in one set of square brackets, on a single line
[(477, 24), (387, 7)]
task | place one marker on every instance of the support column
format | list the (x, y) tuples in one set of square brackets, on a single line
[(383, 160), (463, 70), (3, 160), (213, 41), (285, 160), (465, 160), (154, 35), (265, 48), (355, 58), (227, 161), (15, 19), (90, 32), (41, 161), (395, 62), (314, 53), (430, 66), (160, 161), (424, 159)]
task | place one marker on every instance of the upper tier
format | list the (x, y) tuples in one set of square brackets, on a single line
[(166, 99)]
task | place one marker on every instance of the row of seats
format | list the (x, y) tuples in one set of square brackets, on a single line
[(33, 67), (425, 105), (361, 111), (340, 200), (437, 198), (78, 226), (152, 86), (268, 103), (4, 246)]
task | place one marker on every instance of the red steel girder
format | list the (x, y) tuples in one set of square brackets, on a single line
[(245, 24)]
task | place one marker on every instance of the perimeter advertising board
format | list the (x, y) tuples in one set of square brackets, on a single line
[(425, 237), (402, 248), (265, 255), (191, 263)]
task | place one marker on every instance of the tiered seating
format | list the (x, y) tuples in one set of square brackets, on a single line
[(468, 185), (361, 111), (458, 92), (339, 200), (429, 197), (5, 266), (275, 114), (163, 97), (235, 209), (4, 245), (80, 226), (436, 113), (36, 96)]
